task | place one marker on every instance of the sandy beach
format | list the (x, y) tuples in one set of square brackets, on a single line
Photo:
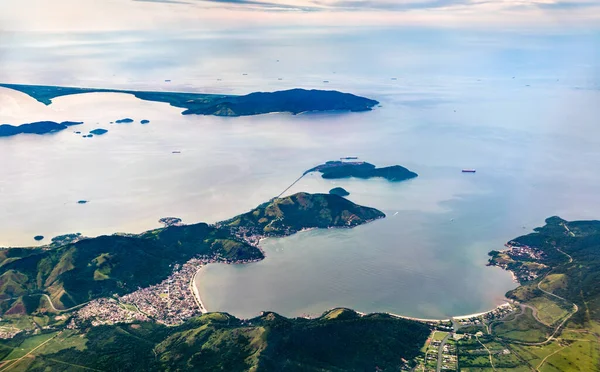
[(197, 292)]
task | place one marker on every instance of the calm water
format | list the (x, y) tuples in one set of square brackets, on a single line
[(454, 104)]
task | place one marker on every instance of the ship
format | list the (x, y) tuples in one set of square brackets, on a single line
[(468, 170)]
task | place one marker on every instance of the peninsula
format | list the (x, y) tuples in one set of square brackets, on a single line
[(86, 269), (293, 101), (39, 127)]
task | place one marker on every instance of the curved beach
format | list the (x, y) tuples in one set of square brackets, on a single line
[(196, 292)]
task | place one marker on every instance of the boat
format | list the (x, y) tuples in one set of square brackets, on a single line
[(468, 170)]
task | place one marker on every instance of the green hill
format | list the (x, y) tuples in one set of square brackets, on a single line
[(90, 268), (340, 340), (569, 251), (287, 215), (76, 272)]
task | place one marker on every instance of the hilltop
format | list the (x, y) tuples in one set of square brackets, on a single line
[(294, 101), (338, 340), (288, 215)]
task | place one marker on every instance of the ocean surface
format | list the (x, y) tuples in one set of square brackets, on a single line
[(521, 109)]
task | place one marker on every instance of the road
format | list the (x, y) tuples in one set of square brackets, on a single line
[(489, 352), (575, 307), (441, 353), (64, 310), (8, 366)]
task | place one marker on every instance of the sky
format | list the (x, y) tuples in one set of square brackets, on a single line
[(120, 15)]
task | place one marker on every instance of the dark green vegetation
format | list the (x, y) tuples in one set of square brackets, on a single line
[(340, 340), (98, 131), (294, 101), (557, 325), (571, 254), (90, 268), (287, 215), (40, 127), (340, 169), (83, 269), (339, 191)]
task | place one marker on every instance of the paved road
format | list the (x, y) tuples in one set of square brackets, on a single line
[(441, 353), (575, 308)]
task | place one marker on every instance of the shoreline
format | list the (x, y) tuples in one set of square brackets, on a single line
[(196, 292), (204, 310)]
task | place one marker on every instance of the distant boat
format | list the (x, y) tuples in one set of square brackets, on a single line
[(468, 170)]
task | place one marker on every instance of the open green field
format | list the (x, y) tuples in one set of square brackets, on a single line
[(29, 344), (523, 328), (552, 282), (549, 311), (439, 335)]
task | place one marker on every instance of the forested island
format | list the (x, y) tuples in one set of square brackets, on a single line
[(293, 101), (39, 127), (345, 169)]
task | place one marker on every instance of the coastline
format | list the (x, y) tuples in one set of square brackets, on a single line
[(196, 292)]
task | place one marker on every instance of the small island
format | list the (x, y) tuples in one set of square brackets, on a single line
[(40, 127), (294, 101), (339, 191), (82, 202), (124, 121), (145, 121), (359, 169), (38, 238), (98, 131)]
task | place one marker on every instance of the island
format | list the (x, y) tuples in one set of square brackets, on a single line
[(294, 101), (99, 131), (38, 238), (339, 191), (82, 202), (145, 121), (124, 121), (344, 169), (39, 127)]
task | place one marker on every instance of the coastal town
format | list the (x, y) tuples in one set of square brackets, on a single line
[(519, 259), (171, 302)]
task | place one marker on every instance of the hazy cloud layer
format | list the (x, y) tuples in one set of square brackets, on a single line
[(94, 15)]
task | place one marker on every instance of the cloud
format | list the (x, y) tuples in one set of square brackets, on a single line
[(228, 15)]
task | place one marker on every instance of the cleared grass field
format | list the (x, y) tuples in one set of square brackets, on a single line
[(549, 311), (523, 328), (553, 282), (29, 344), (439, 335)]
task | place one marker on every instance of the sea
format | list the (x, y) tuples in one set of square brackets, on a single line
[(521, 108)]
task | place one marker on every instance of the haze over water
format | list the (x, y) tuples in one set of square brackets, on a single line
[(453, 104)]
